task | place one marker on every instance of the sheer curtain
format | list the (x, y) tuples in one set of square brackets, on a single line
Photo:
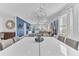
[(66, 23)]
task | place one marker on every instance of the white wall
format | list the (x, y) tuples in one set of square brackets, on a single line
[(1, 24)]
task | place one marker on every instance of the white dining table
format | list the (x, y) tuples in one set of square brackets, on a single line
[(28, 47)]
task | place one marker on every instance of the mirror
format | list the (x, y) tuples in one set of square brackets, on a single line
[(10, 24)]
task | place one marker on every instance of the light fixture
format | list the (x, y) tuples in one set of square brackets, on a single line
[(40, 13)]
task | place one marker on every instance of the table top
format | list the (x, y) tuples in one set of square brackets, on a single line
[(28, 47)]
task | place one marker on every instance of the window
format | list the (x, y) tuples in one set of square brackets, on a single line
[(66, 23), (63, 25)]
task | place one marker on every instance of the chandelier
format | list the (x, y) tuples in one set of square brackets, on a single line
[(41, 12), (40, 15)]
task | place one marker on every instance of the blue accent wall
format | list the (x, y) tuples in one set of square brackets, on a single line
[(20, 26)]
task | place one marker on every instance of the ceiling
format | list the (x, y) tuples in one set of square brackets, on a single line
[(25, 10)]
